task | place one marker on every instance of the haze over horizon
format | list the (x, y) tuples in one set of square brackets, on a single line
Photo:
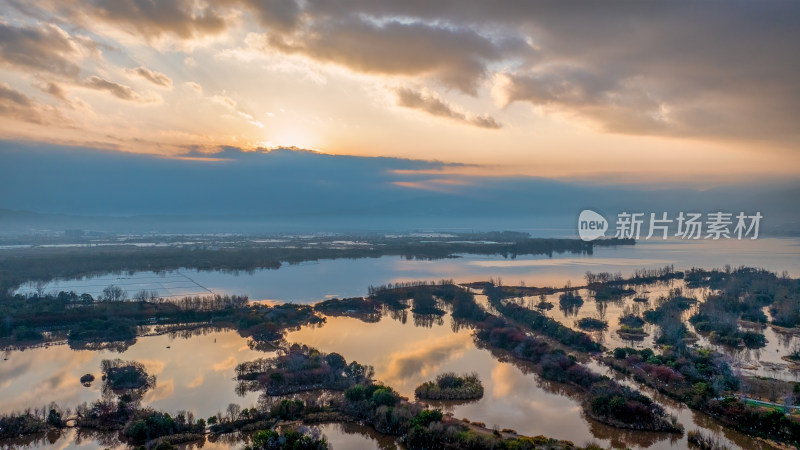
[(290, 190)]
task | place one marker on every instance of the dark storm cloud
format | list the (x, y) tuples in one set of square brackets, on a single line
[(414, 99), (40, 48), (152, 76)]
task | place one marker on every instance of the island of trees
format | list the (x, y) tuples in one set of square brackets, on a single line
[(451, 386)]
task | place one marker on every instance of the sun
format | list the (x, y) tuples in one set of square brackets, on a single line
[(291, 137)]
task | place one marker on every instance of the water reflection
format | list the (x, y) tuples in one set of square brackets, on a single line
[(197, 374), (404, 356), (353, 436), (192, 374)]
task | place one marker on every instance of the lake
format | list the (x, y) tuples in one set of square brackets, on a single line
[(194, 370), (310, 282)]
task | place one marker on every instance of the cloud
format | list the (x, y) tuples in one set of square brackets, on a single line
[(456, 57), (185, 19), (624, 106), (710, 70), (17, 106), (232, 106), (425, 358), (197, 382), (152, 76), (280, 14), (432, 104), (117, 90), (194, 86), (668, 69), (45, 48), (53, 89), (227, 364)]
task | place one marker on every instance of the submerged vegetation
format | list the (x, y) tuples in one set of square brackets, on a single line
[(699, 440), (592, 324), (539, 322), (631, 326), (570, 302)]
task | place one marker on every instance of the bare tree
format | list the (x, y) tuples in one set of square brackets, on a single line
[(112, 293), (233, 411)]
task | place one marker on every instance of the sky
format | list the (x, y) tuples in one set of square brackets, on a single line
[(695, 93), (291, 190)]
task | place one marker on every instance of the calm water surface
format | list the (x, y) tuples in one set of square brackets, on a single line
[(195, 371), (313, 281)]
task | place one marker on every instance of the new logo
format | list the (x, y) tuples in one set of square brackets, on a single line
[(591, 225)]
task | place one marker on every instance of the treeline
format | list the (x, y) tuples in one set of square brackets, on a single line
[(377, 290), (718, 318), (746, 291), (383, 409), (425, 295), (113, 293), (703, 380), (286, 439), (692, 376), (83, 321), (18, 266), (139, 425), (640, 276), (119, 374), (301, 368), (375, 405), (366, 309), (634, 411), (450, 386), (539, 322), (32, 421), (741, 294), (613, 286), (607, 400), (668, 316)]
